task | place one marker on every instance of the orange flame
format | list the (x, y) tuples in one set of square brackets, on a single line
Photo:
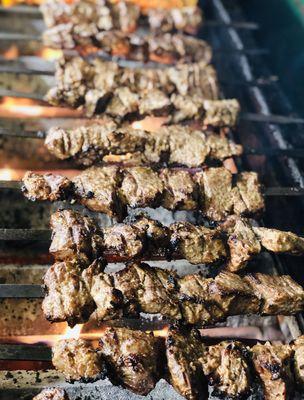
[(27, 108), (11, 3), (49, 54), (11, 53)]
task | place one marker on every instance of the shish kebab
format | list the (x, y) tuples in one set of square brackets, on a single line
[(216, 192), (235, 242), (74, 294), (86, 18), (136, 360), (182, 92)]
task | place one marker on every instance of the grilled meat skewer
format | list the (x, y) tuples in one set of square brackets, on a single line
[(111, 189), (75, 237), (187, 91), (73, 294), (52, 394), (175, 144), (86, 18), (137, 360)]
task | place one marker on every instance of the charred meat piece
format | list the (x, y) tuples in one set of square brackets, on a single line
[(225, 111), (280, 241), (180, 191), (272, 364), (77, 360), (299, 361), (197, 244), (186, 19), (48, 187), (250, 190), (67, 298), (227, 368), (221, 147), (183, 350), (132, 358), (124, 240), (108, 300), (96, 188), (242, 242), (278, 294), (75, 236), (141, 186), (52, 394)]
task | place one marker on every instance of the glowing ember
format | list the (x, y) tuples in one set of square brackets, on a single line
[(27, 108), (49, 54), (11, 53), (150, 124), (73, 333), (11, 3), (6, 174)]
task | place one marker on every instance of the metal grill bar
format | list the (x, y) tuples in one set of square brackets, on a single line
[(23, 352), (26, 234), (11, 291)]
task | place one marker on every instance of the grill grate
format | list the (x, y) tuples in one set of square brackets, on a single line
[(269, 126)]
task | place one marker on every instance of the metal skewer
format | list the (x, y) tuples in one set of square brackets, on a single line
[(25, 352)]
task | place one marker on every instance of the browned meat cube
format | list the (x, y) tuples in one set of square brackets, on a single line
[(250, 191), (123, 102), (154, 102), (48, 187), (158, 235), (132, 357), (234, 294), (197, 305), (157, 291), (157, 146), (228, 370), (299, 361), (124, 240), (278, 294), (242, 241), (97, 189), (180, 191), (221, 112), (108, 300), (77, 360), (187, 147), (183, 350), (221, 148), (280, 241), (52, 394), (272, 364), (75, 236), (141, 187), (197, 244), (67, 298), (220, 199)]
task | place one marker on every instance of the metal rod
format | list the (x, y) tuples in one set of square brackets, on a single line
[(22, 134), (19, 36), (25, 352), (26, 234), (271, 119), (269, 192), (12, 291), (7, 69), (29, 10), (22, 95)]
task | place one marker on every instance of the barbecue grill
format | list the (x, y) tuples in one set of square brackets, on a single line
[(267, 123)]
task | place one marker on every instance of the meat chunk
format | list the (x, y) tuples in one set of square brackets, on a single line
[(48, 187), (250, 191), (186, 146), (108, 300), (75, 236), (197, 244), (67, 298), (52, 394), (220, 199), (280, 241), (278, 294), (299, 361), (180, 191), (141, 187), (222, 113), (220, 147), (132, 358), (227, 368), (124, 240), (242, 242), (183, 350), (77, 360), (272, 364), (97, 189)]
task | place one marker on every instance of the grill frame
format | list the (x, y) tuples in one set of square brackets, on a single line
[(275, 136)]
